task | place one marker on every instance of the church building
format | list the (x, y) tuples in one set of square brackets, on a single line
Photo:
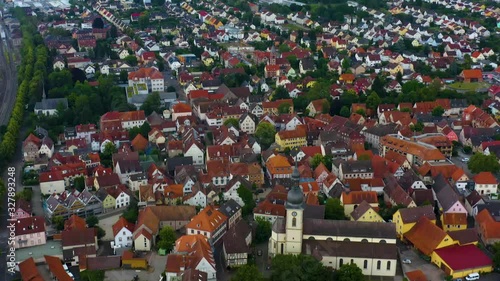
[(370, 245)]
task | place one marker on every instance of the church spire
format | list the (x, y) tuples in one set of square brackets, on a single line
[(44, 96), (295, 197)]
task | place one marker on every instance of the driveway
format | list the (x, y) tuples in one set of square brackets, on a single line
[(107, 225), (157, 267), (431, 271)]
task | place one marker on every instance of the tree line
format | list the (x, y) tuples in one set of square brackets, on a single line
[(31, 74)]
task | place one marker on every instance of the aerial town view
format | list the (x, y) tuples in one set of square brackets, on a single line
[(272, 140)]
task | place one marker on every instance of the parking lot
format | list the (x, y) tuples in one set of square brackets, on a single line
[(431, 271)]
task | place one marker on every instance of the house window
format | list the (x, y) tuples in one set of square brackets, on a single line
[(341, 262), (294, 222), (378, 265), (365, 264), (388, 265)]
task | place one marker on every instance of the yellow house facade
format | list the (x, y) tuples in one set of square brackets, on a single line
[(406, 218), (142, 241), (454, 221), (109, 202), (291, 139), (369, 216)]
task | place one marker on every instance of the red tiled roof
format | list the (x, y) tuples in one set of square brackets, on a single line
[(29, 271), (485, 178), (148, 73), (472, 74), (468, 257), (57, 269), (120, 224)]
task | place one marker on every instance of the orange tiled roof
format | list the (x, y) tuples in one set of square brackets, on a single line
[(292, 134), (120, 224), (75, 222), (485, 178), (145, 73), (425, 236), (139, 142), (454, 219), (472, 74), (208, 219), (489, 227), (279, 164), (356, 197), (413, 148)]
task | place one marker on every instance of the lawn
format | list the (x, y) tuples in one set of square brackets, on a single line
[(472, 86), (293, 27)]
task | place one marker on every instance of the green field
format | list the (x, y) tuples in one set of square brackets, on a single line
[(472, 86)]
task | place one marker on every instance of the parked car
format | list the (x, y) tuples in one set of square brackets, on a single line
[(465, 159), (407, 261)]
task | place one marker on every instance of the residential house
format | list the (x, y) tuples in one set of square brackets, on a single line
[(236, 244), (406, 218), (486, 183), (29, 232), (365, 213), (488, 227), (435, 237), (351, 200), (23, 209), (209, 222), (77, 243), (291, 138), (122, 232)]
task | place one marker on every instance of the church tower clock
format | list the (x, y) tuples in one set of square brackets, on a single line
[(294, 216)]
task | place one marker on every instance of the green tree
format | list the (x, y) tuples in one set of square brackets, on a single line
[(131, 60), (419, 127), (247, 272), (496, 255), (265, 134), (92, 221), (107, 154), (100, 232), (373, 101), (123, 75), (325, 107), (166, 238), (92, 275), (483, 163), (438, 111), (345, 112), (144, 20), (152, 103), (280, 93), (247, 196), (264, 229), (232, 121), (299, 267), (334, 209), (58, 222), (467, 149), (284, 108), (132, 212), (349, 272), (361, 112), (79, 183)]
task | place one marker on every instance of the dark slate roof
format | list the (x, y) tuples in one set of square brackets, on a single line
[(314, 212), (178, 161), (47, 104), (382, 130), (230, 208), (234, 239), (320, 249), (349, 228)]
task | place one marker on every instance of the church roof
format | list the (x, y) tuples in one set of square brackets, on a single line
[(349, 228)]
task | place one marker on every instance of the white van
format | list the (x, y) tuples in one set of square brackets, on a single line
[(472, 276)]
